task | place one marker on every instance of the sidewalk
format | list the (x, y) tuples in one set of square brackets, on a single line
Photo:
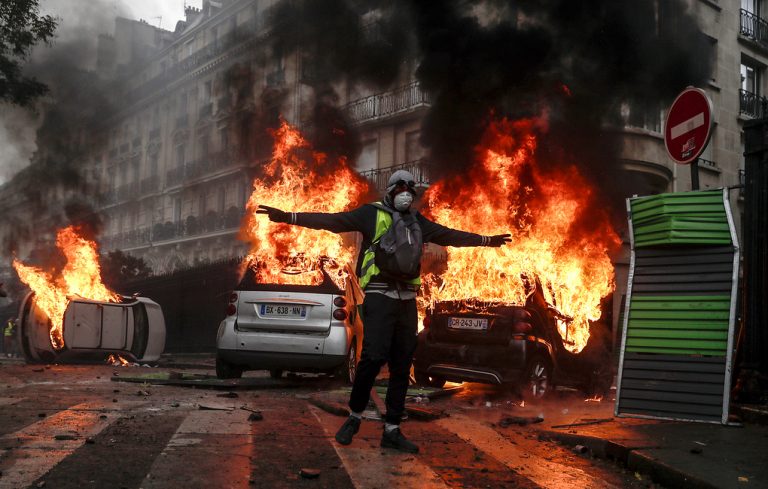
[(673, 454)]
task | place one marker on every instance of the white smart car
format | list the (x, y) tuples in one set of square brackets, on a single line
[(297, 328), (133, 328)]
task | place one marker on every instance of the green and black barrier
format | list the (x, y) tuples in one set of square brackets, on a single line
[(676, 349)]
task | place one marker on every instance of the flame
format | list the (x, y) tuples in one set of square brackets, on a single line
[(300, 179), (81, 277), (559, 235), (117, 361)]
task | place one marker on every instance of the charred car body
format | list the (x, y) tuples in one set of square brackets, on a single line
[(133, 328), (516, 345), (297, 328)]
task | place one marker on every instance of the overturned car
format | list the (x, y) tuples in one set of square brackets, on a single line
[(133, 328)]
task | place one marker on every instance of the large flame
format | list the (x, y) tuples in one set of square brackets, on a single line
[(559, 235), (81, 277), (298, 179)]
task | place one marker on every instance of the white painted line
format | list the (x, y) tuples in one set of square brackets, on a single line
[(687, 126), (7, 401), (539, 470), (38, 451), (369, 468), (186, 445)]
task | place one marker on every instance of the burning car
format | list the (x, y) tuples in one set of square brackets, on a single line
[(516, 345), (311, 327), (133, 328)]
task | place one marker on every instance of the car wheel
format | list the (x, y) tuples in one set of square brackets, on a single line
[(225, 370), (537, 379), (276, 373), (349, 370), (423, 379)]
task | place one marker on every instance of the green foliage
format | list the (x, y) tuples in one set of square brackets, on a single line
[(117, 268), (21, 27)]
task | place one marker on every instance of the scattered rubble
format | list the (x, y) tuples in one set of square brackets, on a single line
[(309, 473), (520, 420)]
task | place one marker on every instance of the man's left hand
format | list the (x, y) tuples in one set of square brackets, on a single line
[(498, 240)]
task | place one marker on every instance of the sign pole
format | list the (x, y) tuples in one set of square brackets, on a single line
[(695, 174)]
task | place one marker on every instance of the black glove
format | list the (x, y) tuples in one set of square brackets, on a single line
[(275, 215), (497, 240)]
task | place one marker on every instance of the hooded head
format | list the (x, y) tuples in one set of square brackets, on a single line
[(401, 190)]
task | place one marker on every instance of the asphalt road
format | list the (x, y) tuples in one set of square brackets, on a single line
[(76, 427)]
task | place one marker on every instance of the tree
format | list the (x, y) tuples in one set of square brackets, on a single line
[(21, 28), (118, 267)]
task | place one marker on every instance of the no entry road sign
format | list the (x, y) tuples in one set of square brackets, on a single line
[(689, 125)]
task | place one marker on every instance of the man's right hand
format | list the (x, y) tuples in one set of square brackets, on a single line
[(275, 215)]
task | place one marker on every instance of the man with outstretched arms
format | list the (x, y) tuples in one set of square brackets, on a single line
[(393, 235)]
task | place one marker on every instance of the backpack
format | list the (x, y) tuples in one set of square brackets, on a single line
[(397, 253)]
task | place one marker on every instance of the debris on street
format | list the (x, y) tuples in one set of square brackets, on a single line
[(329, 407), (309, 473), (520, 420), (210, 407)]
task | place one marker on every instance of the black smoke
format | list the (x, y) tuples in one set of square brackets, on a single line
[(578, 61)]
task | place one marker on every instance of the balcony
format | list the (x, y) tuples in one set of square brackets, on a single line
[(752, 105), (753, 27), (388, 104), (418, 168), (193, 226)]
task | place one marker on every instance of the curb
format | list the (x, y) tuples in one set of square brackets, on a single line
[(635, 459)]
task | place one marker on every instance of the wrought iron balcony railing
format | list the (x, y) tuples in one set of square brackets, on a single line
[(387, 104), (211, 222), (752, 104), (418, 168), (753, 27)]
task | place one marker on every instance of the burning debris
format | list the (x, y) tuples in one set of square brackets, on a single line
[(299, 178), (560, 236)]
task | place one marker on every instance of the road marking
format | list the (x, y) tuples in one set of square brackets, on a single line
[(38, 451), (687, 126), (540, 471), (216, 443), (7, 401), (368, 467)]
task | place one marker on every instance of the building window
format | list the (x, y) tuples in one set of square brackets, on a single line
[(153, 164), (221, 199), (751, 103), (413, 150), (641, 115), (369, 156), (180, 155)]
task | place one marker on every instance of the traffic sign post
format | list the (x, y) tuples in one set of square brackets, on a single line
[(688, 129)]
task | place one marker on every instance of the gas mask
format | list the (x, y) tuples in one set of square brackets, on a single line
[(402, 201)]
